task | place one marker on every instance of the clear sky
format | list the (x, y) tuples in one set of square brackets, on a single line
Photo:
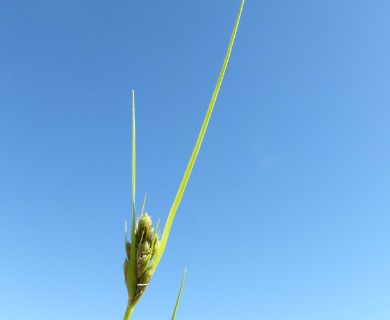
[(286, 215)]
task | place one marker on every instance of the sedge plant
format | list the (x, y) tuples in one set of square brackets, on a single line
[(145, 248)]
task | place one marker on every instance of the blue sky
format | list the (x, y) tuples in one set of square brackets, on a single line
[(286, 215)]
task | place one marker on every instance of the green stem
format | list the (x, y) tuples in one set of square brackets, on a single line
[(128, 313)]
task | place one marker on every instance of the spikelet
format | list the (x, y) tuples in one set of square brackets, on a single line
[(146, 247)]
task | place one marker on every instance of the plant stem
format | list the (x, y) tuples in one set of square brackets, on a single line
[(128, 313)]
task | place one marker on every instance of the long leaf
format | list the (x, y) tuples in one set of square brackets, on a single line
[(195, 151)]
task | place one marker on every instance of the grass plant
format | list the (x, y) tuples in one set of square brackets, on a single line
[(145, 248)]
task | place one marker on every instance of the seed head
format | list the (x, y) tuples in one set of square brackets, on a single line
[(146, 247)]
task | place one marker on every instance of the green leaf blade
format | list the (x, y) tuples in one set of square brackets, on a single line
[(132, 272), (194, 155), (133, 154), (179, 295)]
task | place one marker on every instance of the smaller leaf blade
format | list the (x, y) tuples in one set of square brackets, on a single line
[(133, 154), (132, 270), (179, 295)]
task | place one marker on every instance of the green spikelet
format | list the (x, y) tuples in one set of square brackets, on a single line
[(146, 247)]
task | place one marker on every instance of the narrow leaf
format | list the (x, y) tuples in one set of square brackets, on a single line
[(198, 144), (178, 297), (133, 155), (132, 272)]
